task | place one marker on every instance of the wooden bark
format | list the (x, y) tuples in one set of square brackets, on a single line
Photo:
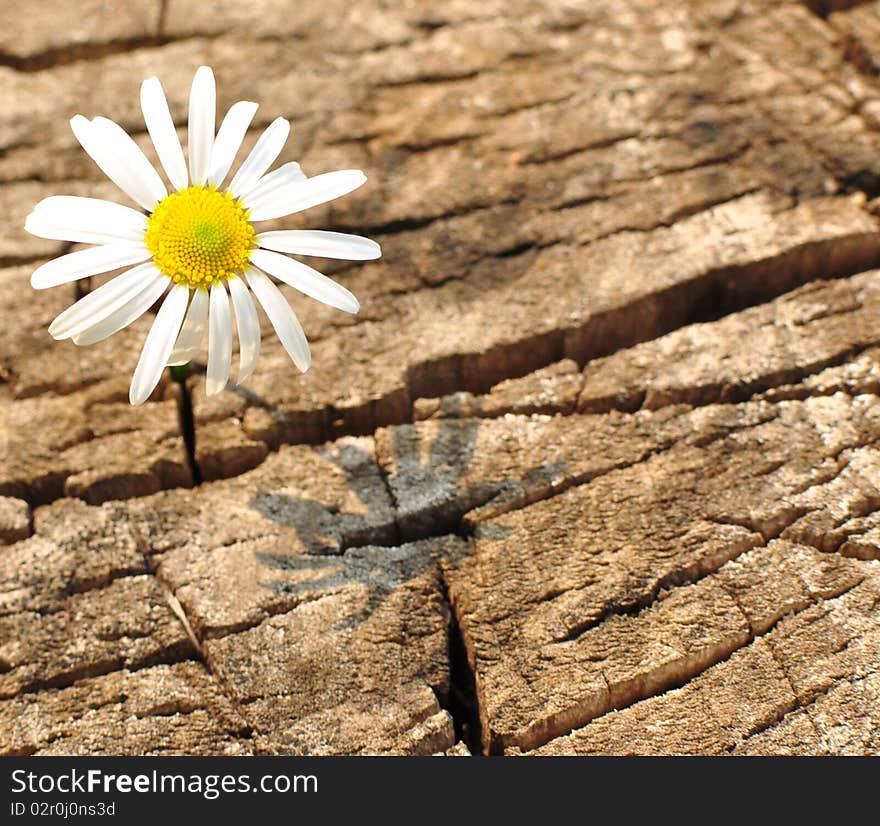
[(594, 471)]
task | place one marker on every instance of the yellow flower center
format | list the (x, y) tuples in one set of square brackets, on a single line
[(199, 236)]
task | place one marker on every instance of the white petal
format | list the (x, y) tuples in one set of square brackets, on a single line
[(248, 328), (158, 346), (286, 175), (309, 193), (162, 132), (111, 154), (320, 242), (193, 330), (219, 341), (267, 148), (87, 220), (132, 158), (43, 229), (305, 279), (83, 263), (82, 210), (99, 303), (132, 310), (284, 320), (202, 109), (229, 138)]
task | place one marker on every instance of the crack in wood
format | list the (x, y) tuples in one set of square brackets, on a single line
[(463, 701), (713, 294), (721, 655), (180, 614)]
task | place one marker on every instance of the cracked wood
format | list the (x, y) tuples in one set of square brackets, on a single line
[(596, 468)]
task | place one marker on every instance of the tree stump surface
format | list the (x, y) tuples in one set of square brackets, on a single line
[(594, 471)]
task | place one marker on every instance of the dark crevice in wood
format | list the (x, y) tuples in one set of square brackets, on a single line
[(162, 17), (463, 702), (66, 55), (865, 180), (823, 8), (408, 224), (21, 260)]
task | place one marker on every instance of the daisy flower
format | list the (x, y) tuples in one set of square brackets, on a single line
[(198, 244)]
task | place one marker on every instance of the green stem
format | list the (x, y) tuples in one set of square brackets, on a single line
[(179, 372)]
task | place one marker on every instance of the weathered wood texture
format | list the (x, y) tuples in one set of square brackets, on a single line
[(594, 471)]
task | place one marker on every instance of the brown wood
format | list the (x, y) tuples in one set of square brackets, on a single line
[(595, 469)]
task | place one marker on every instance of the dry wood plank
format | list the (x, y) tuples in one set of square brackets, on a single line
[(604, 433), (166, 709)]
